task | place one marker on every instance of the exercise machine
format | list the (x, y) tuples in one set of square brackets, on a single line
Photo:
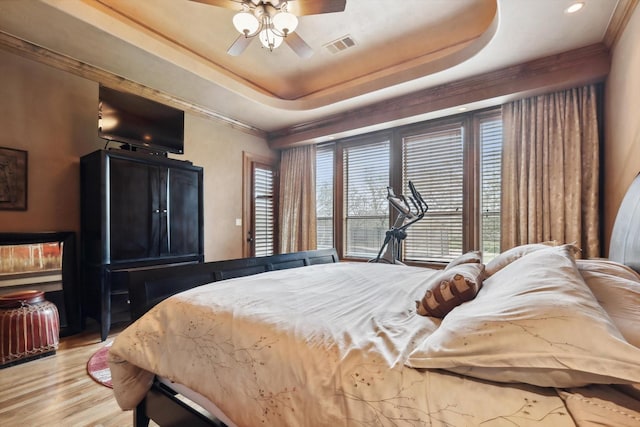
[(410, 210)]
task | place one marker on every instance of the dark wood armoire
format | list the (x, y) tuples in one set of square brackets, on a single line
[(138, 210)]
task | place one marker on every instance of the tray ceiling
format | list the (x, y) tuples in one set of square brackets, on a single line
[(178, 47)]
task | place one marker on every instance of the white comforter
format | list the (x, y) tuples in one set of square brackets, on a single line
[(314, 346)]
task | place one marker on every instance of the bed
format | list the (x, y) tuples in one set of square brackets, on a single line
[(537, 336)]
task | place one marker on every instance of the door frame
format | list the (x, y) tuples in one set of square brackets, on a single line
[(248, 162)]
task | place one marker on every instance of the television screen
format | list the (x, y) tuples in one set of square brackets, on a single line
[(140, 122)]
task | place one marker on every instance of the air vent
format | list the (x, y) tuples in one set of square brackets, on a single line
[(340, 44)]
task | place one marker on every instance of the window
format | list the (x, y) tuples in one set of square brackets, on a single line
[(366, 212), (324, 196), (434, 162), (453, 162), (490, 179), (263, 217)]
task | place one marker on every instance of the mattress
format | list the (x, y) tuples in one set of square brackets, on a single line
[(342, 344)]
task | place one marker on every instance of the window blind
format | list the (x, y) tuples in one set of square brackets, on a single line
[(324, 196), (433, 161), (263, 211), (490, 177), (366, 210)]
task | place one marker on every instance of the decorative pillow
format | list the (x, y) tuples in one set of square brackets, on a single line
[(473, 257), (450, 288), (507, 257), (617, 289), (535, 321)]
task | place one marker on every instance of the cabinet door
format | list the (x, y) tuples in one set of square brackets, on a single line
[(184, 211), (133, 228)]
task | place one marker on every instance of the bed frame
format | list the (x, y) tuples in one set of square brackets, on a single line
[(150, 285)]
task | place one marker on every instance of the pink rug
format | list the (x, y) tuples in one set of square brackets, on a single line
[(98, 368)]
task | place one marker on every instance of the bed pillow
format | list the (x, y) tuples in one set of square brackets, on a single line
[(535, 321), (507, 257), (617, 289), (449, 288), (608, 267), (471, 257)]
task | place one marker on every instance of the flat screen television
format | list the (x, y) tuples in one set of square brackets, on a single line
[(140, 122)]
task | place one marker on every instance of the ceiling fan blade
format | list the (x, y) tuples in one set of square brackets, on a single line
[(227, 4), (298, 45), (314, 7), (239, 45)]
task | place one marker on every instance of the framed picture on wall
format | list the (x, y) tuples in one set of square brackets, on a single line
[(13, 179)]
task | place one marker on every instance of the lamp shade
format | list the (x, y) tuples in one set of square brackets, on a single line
[(246, 23), (285, 22), (269, 39)]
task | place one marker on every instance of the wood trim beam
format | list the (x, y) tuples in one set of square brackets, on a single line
[(46, 56), (561, 71)]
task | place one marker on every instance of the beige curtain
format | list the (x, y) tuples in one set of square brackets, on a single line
[(550, 170), (298, 199)]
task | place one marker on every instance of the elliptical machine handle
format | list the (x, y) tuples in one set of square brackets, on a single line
[(400, 203), (417, 196)]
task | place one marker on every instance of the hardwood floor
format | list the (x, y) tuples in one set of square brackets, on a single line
[(57, 391)]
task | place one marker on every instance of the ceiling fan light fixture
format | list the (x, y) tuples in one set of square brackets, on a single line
[(246, 23), (285, 22), (269, 39), (269, 21)]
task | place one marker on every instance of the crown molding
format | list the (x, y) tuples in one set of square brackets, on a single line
[(621, 15), (56, 60)]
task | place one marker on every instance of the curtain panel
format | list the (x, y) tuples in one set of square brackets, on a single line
[(550, 170), (298, 199)]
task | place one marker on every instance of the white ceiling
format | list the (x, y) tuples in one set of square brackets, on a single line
[(179, 48)]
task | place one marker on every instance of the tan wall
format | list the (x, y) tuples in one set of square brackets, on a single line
[(221, 148), (622, 122), (52, 115)]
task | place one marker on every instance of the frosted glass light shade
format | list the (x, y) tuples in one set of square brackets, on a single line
[(269, 39), (246, 23), (285, 22)]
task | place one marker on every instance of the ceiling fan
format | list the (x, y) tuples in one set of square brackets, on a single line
[(273, 21)]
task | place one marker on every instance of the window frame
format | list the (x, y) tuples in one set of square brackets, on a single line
[(471, 225), (339, 237), (330, 147), (483, 115), (468, 226)]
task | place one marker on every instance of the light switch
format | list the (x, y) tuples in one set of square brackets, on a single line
[(238, 222)]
